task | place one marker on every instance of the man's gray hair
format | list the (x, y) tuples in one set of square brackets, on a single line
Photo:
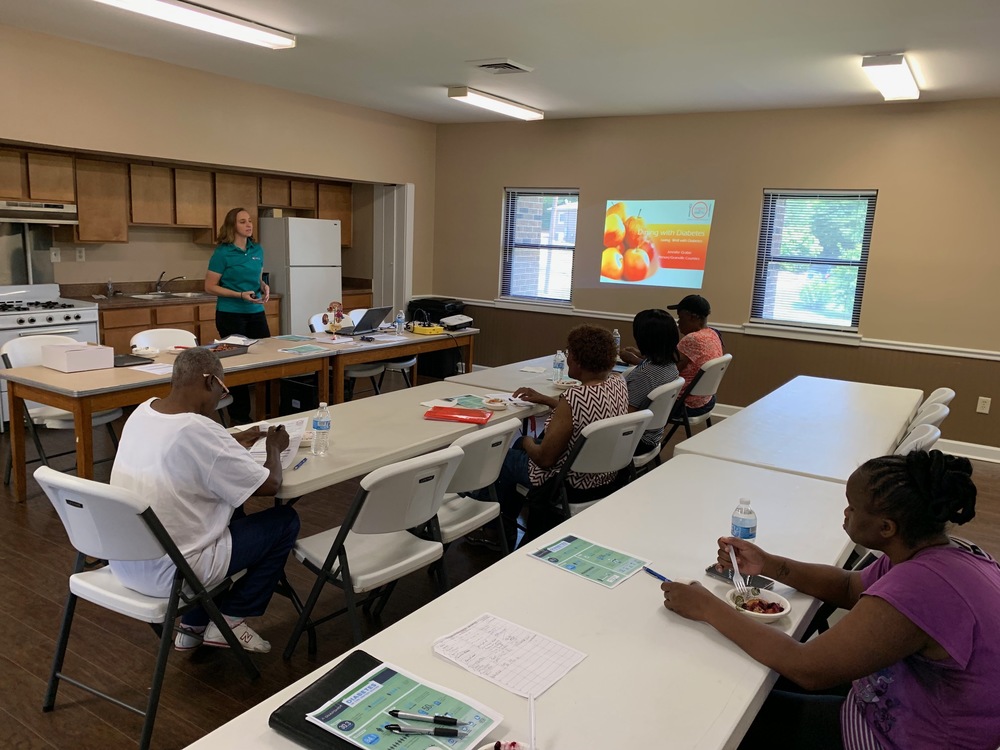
[(192, 364)]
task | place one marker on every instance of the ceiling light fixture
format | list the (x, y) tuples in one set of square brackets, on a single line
[(204, 19), (892, 76), (494, 103)]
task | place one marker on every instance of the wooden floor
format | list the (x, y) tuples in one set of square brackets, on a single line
[(204, 689)]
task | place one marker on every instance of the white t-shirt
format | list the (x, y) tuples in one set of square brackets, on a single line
[(193, 473)]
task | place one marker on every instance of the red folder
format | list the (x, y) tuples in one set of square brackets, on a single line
[(458, 414)]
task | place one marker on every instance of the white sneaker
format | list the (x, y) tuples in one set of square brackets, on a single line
[(188, 638), (247, 636)]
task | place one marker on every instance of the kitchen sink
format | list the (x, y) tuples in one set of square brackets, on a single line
[(189, 295), (152, 295)]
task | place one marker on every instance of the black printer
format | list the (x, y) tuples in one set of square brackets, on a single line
[(432, 309)]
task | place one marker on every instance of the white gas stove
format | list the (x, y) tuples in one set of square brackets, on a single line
[(36, 309)]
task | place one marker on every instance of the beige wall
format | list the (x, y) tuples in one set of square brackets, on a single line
[(934, 256), (71, 95)]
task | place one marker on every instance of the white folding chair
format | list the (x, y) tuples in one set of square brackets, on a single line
[(402, 365), (939, 396), (932, 414), (484, 452), (370, 370), (27, 352), (705, 383), (661, 403), (112, 523), (920, 438), (372, 549), (167, 338)]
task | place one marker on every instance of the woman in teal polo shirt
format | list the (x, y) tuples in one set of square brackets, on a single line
[(235, 276)]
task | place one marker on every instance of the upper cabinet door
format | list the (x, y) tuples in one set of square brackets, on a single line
[(102, 201), (152, 194), (303, 194), (232, 191), (13, 175), (194, 198), (335, 203), (50, 177), (275, 192)]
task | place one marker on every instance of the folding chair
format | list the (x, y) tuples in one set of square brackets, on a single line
[(920, 438), (705, 383), (370, 370), (932, 414), (939, 396), (112, 523), (661, 403), (25, 352), (372, 549)]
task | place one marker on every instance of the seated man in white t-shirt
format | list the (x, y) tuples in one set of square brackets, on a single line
[(196, 477)]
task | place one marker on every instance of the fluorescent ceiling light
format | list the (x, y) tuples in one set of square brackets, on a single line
[(892, 76), (494, 103), (204, 19)]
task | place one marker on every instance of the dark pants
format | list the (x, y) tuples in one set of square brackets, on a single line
[(791, 719), (261, 543), (252, 325)]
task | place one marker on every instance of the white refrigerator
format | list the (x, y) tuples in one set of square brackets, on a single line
[(302, 258)]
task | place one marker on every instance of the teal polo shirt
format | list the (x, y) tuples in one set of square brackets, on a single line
[(240, 272)]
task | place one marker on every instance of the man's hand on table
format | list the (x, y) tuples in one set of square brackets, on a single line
[(249, 436), (277, 437)]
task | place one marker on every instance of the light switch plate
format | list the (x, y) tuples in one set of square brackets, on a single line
[(55, 255), (81, 254)]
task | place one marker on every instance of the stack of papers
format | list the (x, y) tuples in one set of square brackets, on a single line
[(237, 340), (296, 428)]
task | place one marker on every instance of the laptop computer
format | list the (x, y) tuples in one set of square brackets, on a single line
[(369, 322), (130, 360)]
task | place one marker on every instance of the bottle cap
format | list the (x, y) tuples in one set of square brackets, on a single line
[(744, 501), (322, 405)]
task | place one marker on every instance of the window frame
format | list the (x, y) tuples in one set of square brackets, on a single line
[(508, 245), (765, 256)]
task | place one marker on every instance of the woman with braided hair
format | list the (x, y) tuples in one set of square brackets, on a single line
[(920, 645)]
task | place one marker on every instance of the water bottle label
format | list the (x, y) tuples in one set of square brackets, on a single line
[(321, 424), (744, 532)]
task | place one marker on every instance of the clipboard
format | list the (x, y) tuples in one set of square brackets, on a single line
[(290, 720)]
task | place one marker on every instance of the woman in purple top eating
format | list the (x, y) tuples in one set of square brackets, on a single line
[(921, 642)]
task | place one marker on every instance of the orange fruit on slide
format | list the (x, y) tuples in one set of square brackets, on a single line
[(618, 209), (611, 263), (614, 230), (635, 265)]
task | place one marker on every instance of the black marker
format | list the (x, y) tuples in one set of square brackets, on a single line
[(446, 720), (435, 731)]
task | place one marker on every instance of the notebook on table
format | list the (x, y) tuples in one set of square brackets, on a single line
[(129, 360), (369, 322)]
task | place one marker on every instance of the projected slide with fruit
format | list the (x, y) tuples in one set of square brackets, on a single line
[(656, 243)]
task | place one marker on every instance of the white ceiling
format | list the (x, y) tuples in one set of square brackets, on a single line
[(591, 58)]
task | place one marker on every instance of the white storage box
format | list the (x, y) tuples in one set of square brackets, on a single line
[(77, 357)]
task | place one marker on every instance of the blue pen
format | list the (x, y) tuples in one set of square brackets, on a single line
[(656, 575), (299, 464)]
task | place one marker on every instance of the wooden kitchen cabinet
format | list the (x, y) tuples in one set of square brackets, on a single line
[(232, 190), (272, 309), (356, 300), (194, 203), (303, 194), (275, 192), (50, 177), (335, 203), (152, 190), (118, 326), (102, 201), (14, 175)]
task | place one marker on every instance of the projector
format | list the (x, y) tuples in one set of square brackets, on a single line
[(456, 322)]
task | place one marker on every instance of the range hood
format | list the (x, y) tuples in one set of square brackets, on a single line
[(35, 212)]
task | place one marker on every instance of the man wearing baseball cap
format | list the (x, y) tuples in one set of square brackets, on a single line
[(698, 345)]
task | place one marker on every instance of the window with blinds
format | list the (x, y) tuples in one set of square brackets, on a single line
[(812, 256), (539, 240)]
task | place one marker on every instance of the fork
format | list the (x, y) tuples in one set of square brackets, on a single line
[(738, 581)]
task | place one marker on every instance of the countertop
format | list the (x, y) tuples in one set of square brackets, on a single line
[(124, 301)]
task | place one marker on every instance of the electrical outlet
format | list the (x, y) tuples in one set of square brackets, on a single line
[(55, 255), (983, 405), (81, 254)]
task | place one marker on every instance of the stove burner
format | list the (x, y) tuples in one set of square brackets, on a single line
[(8, 306), (49, 304)]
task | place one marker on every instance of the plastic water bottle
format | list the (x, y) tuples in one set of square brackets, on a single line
[(321, 431), (558, 367), (744, 521), (618, 341), (400, 323)]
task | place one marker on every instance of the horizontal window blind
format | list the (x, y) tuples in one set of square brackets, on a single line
[(812, 257), (539, 240)]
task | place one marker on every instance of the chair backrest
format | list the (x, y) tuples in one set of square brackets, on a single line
[(710, 376), (484, 452), (661, 402), (939, 396), (920, 438), (609, 444), (27, 351), (102, 521), (319, 322), (404, 494), (933, 414), (357, 315), (163, 338)]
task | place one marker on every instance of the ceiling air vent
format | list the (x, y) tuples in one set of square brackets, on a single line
[(500, 66)]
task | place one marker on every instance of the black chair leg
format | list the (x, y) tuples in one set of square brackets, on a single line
[(406, 378), (114, 437), (60, 655), (381, 378), (304, 616), (375, 384)]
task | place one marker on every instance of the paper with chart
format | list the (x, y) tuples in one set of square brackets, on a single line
[(295, 427), (513, 657), (359, 714), (588, 560)]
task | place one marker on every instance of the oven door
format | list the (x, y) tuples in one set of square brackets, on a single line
[(82, 332)]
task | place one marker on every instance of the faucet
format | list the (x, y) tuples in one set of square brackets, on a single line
[(161, 285)]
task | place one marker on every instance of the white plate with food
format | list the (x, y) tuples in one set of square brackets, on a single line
[(496, 404), (565, 383), (759, 604), (145, 351), (176, 349)]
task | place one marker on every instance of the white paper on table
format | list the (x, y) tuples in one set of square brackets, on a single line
[(386, 337), (515, 658), (335, 339), (156, 368), (296, 428), (508, 398), (237, 340), (534, 369)]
